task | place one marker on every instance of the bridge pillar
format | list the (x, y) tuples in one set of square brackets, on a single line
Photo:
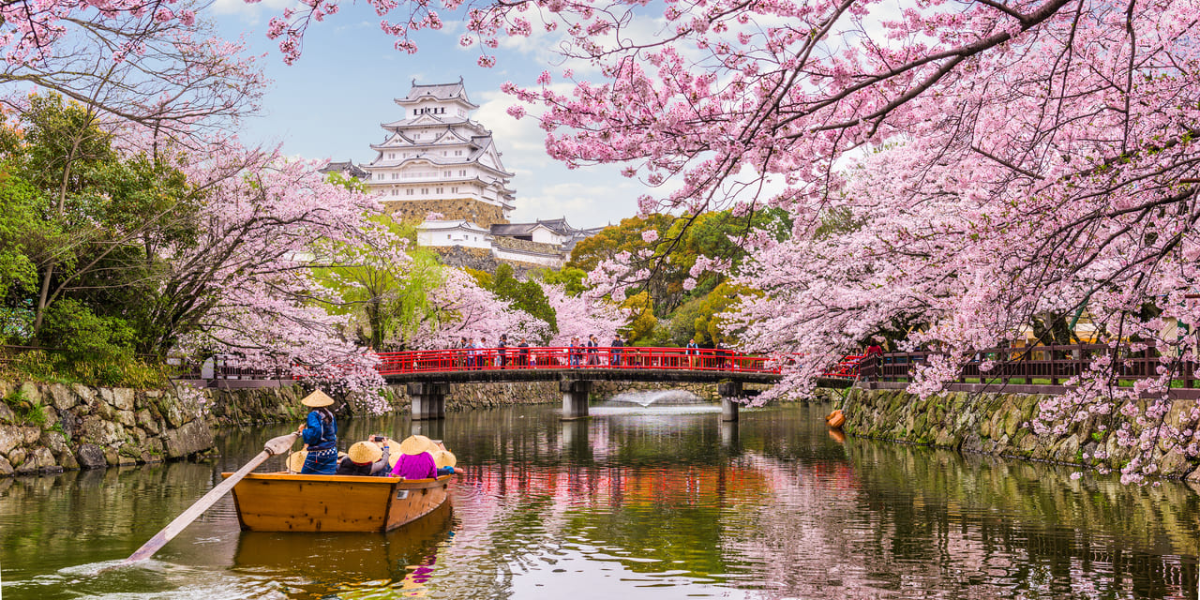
[(428, 400), (575, 398), (730, 391)]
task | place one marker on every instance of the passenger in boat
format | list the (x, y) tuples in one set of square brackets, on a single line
[(445, 462), (416, 459), (320, 435), (365, 459)]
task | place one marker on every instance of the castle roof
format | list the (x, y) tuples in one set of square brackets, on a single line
[(437, 91), (346, 168)]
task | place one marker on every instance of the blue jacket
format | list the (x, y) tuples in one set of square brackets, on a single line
[(320, 430)]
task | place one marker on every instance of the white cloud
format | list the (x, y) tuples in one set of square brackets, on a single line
[(251, 13)]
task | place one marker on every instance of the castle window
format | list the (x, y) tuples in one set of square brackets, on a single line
[(462, 173), (424, 190), (458, 152), (395, 192), (439, 190), (391, 155), (408, 192), (454, 190)]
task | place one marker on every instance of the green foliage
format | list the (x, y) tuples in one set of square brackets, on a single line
[(523, 295), (81, 335), (386, 291), (572, 279), (27, 410), (680, 313)]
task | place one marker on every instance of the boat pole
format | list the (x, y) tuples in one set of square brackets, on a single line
[(273, 447)]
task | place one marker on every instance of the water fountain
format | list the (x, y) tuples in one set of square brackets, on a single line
[(648, 399)]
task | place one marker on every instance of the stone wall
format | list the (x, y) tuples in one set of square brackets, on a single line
[(480, 260), (85, 427), (526, 245), (414, 211), (998, 424)]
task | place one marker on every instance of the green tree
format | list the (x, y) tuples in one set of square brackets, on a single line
[(387, 290)]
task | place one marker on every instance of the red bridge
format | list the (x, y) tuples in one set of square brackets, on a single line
[(429, 373)]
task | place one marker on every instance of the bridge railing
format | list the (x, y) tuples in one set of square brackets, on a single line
[(1031, 365), (513, 358)]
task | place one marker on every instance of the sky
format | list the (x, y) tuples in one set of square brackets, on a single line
[(330, 103)]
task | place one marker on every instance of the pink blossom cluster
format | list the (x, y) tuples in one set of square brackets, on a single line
[(581, 316)]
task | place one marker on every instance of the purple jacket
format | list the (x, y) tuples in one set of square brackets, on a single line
[(419, 466)]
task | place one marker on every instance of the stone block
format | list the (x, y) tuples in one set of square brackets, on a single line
[(172, 411), (85, 394), (90, 456), (6, 414), (55, 442), (17, 457), (123, 398), (11, 436), (61, 397), (147, 422), (190, 439), (111, 457), (101, 432), (126, 418), (32, 435), (6, 468), (31, 392), (42, 459), (68, 462)]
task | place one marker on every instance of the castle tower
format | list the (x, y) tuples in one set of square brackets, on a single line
[(438, 160)]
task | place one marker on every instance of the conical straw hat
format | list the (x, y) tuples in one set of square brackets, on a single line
[(393, 459), (365, 453), (444, 458), (416, 444), (295, 462), (317, 399)]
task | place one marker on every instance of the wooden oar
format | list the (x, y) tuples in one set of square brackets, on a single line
[(273, 447)]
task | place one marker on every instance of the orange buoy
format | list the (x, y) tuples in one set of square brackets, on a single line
[(836, 419)]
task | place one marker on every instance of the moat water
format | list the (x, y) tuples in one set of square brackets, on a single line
[(635, 503)]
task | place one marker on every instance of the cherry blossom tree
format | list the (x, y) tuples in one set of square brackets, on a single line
[(246, 286), (581, 316), (153, 64), (468, 310)]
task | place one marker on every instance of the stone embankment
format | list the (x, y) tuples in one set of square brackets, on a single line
[(46, 428), (998, 424)]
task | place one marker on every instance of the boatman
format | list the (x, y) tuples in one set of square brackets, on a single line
[(320, 435)]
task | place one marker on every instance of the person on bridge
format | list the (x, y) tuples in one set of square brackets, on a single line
[(575, 355), (320, 435), (617, 344), (500, 348), (523, 353), (593, 350), (693, 352)]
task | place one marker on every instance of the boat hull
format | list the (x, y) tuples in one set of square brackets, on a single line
[(334, 503)]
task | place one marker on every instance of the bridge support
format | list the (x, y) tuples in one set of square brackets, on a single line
[(575, 398), (730, 391), (428, 400)]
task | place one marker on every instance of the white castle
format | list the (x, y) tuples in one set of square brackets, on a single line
[(439, 167)]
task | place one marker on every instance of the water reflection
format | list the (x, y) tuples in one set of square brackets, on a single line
[(635, 503)]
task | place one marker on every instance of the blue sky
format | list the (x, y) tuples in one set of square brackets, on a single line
[(329, 104)]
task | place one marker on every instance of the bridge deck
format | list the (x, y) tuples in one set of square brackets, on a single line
[(474, 365)]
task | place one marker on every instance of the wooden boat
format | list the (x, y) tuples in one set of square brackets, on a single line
[(334, 503)]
